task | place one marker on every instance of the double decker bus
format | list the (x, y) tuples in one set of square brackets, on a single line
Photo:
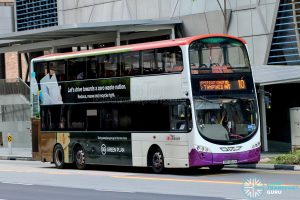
[(182, 103)]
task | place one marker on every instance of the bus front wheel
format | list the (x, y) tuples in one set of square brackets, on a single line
[(80, 158), (58, 157), (157, 161), (216, 168)]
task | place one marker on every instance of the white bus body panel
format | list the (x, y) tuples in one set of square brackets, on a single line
[(175, 151), (216, 148), (156, 87)]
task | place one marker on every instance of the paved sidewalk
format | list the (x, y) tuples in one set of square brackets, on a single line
[(26, 154), (263, 164), (17, 154), (266, 166)]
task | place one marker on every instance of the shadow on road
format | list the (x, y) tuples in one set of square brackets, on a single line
[(147, 170)]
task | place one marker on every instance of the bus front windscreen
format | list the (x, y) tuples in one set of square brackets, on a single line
[(226, 119), (223, 89), (218, 55)]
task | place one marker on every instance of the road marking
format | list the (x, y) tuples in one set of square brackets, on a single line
[(59, 173), (278, 172), (7, 170), (178, 180), (16, 183), (120, 191), (234, 199), (192, 180), (259, 171)]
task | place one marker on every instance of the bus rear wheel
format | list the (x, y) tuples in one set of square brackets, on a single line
[(80, 158), (157, 161), (58, 157)]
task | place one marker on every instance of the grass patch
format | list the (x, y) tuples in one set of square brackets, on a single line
[(288, 159)]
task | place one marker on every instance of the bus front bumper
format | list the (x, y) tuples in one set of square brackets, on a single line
[(199, 159)]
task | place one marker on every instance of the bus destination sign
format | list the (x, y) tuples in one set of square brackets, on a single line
[(217, 85)]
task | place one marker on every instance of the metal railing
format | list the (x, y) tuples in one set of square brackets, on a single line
[(17, 112), (14, 86)]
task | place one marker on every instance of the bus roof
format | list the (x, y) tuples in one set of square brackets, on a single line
[(129, 48)]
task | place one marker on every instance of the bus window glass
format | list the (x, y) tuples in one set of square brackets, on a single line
[(149, 64), (92, 119), (194, 61), (63, 118), (59, 69), (125, 119), (50, 118), (92, 68), (172, 59), (109, 119), (218, 55), (160, 61), (237, 56), (76, 69), (76, 117), (101, 70), (41, 70), (149, 116), (226, 119), (110, 65), (212, 56), (178, 117), (130, 64)]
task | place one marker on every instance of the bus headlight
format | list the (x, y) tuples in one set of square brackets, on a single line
[(256, 145), (202, 148)]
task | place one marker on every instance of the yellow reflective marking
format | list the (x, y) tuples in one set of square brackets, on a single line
[(191, 180), (179, 180), (60, 173)]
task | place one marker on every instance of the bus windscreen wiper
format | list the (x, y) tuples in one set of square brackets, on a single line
[(236, 98), (204, 99)]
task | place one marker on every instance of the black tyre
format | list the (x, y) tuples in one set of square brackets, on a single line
[(58, 157), (79, 156), (216, 168), (157, 161)]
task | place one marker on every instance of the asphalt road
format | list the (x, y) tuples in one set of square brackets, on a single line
[(9, 191), (35, 180)]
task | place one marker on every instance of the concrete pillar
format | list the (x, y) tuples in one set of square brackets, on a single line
[(20, 65), (172, 36), (118, 38), (28, 58), (54, 50), (263, 119)]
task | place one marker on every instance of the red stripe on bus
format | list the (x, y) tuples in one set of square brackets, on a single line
[(149, 45)]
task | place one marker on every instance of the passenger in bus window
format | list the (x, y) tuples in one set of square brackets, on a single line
[(194, 69), (79, 76), (203, 66), (91, 72), (213, 119)]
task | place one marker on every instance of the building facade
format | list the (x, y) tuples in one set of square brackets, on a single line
[(270, 27)]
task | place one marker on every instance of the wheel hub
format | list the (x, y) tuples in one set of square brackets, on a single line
[(80, 158)]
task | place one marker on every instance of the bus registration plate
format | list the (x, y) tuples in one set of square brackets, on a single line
[(228, 162)]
